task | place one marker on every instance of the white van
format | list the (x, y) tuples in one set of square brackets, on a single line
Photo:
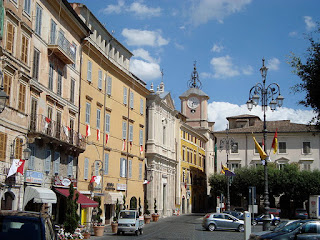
[(129, 221)]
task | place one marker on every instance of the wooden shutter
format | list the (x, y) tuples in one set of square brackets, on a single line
[(32, 158), (10, 37), (56, 162), (47, 163), (106, 163), (86, 168), (7, 84), (22, 97), (3, 146), (18, 148), (24, 49), (70, 166)]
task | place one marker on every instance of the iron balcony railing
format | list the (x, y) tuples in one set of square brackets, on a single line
[(45, 126), (63, 43)]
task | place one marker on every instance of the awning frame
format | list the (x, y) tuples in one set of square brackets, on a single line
[(39, 195)]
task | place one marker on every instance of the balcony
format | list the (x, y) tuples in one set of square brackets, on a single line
[(62, 48), (52, 132)]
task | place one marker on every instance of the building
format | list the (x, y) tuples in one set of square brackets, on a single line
[(161, 152), (41, 66), (112, 121)]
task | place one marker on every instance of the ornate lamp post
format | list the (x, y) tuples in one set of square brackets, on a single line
[(266, 93), (227, 144), (3, 96)]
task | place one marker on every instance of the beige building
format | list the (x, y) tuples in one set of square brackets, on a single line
[(113, 103)]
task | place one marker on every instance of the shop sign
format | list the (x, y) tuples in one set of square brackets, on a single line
[(64, 181), (121, 186), (33, 177), (110, 186)]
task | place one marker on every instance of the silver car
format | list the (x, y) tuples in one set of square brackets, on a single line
[(213, 221)]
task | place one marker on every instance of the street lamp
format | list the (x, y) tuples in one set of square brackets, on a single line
[(3, 96), (26, 152), (266, 94), (227, 143)]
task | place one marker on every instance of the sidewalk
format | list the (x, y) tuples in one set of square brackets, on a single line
[(107, 232)]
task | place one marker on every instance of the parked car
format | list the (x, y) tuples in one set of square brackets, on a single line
[(129, 221), (17, 225), (259, 219), (213, 221), (294, 230), (300, 213), (275, 211), (234, 213)]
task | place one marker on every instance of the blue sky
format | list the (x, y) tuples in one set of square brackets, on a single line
[(226, 38)]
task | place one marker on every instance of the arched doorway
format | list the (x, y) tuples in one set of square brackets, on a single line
[(7, 200), (133, 203)]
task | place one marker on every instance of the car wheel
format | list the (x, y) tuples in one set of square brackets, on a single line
[(275, 223), (254, 222), (240, 228), (211, 227), (118, 232), (141, 231)]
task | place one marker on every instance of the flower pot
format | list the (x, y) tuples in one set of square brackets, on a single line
[(155, 217), (86, 235), (114, 227), (147, 219), (98, 230)]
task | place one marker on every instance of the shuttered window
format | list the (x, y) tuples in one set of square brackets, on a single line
[(56, 162), (125, 92), (26, 7), (88, 110), (3, 146), (32, 158), (22, 97), (38, 20), (51, 71), (53, 32), (140, 137), (141, 106), (36, 61), (123, 167), (106, 163), (86, 168), (124, 130), (131, 99), (59, 83), (18, 148), (100, 79), (98, 118), (130, 169), (107, 123), (140, 171), (89, 71), (130, 133), (109, 87), (72, 90), (10, 37), (70, 166), (7, 80), (47, 164), (24, 49)]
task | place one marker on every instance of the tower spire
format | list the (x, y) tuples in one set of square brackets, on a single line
[(194, 82)]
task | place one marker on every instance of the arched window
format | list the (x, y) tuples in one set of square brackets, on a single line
[(133, 203), (7, 200)]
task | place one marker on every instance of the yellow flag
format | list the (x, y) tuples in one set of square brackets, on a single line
[(263, 155)]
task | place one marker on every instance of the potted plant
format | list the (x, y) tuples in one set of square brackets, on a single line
[(147, 217), (155, 215), (86, 234), (114, 224), (98, 227)]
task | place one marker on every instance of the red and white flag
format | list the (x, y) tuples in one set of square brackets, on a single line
[(98, 134), (17, 166), (107, 138), (88, 131), (146, 182), (124, 145), (95, 179), (141, 149), (46, 122), (66, 130)]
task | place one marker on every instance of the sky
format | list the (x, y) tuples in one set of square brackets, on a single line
[(227, 39)]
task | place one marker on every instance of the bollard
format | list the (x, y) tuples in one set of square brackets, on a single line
[(247, 225)]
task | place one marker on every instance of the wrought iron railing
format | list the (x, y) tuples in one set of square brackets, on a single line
[(64, 44), (43, 125)]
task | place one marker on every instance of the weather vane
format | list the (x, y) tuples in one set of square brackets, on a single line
[(194, 82)]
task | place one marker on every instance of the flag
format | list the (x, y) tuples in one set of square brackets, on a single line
[(141, 149), (88, 131), (107, 137), (17, 166), (124, 145), (262, 153), (95, 179), (226, 171), (275, 142), (146, 182), (98, 134), (66, 130), (46, 122), (222, 169), (80, 136)]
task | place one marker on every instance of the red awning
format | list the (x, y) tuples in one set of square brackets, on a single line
[(84, 201)]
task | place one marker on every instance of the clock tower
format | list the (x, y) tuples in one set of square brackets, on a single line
[(194, 103)]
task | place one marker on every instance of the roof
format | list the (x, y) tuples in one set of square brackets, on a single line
[(243, 116), (195, 91)]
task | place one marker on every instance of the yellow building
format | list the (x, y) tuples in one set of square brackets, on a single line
[(112, 119), (192, 170)]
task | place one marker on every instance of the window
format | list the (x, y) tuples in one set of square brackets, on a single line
[(73, 52), (3, 146), (234, 148), (27, 6), (71, 130), (10, 37), (59, 86), (89, 71), (305, 166), (86, 168), (233, 166), (22, 97), (195, 157), (24, 49), (33, 115), (281, 165), (123, 167), (282, 147), (56, 162), (306, 148), (96, 168), (164, 135), (38, 20), (70, 166), (58, 126), (130, 169), (140, 171), (130, 133), (124, 95), (98, 118), (72, 90), (140, 137), (131, 100), (100, 79), (107, 123), (32, 158), (106, 163), (109, 87), (51, 71), (141, 106), (18, 148), (53, 32), (36, 61), (183, 153), (47, 163), (88, 110), (124, 130)]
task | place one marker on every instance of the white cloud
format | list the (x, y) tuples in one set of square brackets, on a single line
[(247, 70), (179, 46), (219, 111), (293, 34), (273, 64), (223, 67), (310, 24), (147, 71), (203, 11), (136, 37), (137, 8), (217, 48), (144, 54)]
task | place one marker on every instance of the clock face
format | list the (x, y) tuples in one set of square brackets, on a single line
[(193, 102)]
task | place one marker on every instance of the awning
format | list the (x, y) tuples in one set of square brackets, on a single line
[(111, 198), (84, 201), (39, 195)]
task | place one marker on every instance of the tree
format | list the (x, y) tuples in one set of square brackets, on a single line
[(97, 218), (72, 217), (309, 72)]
